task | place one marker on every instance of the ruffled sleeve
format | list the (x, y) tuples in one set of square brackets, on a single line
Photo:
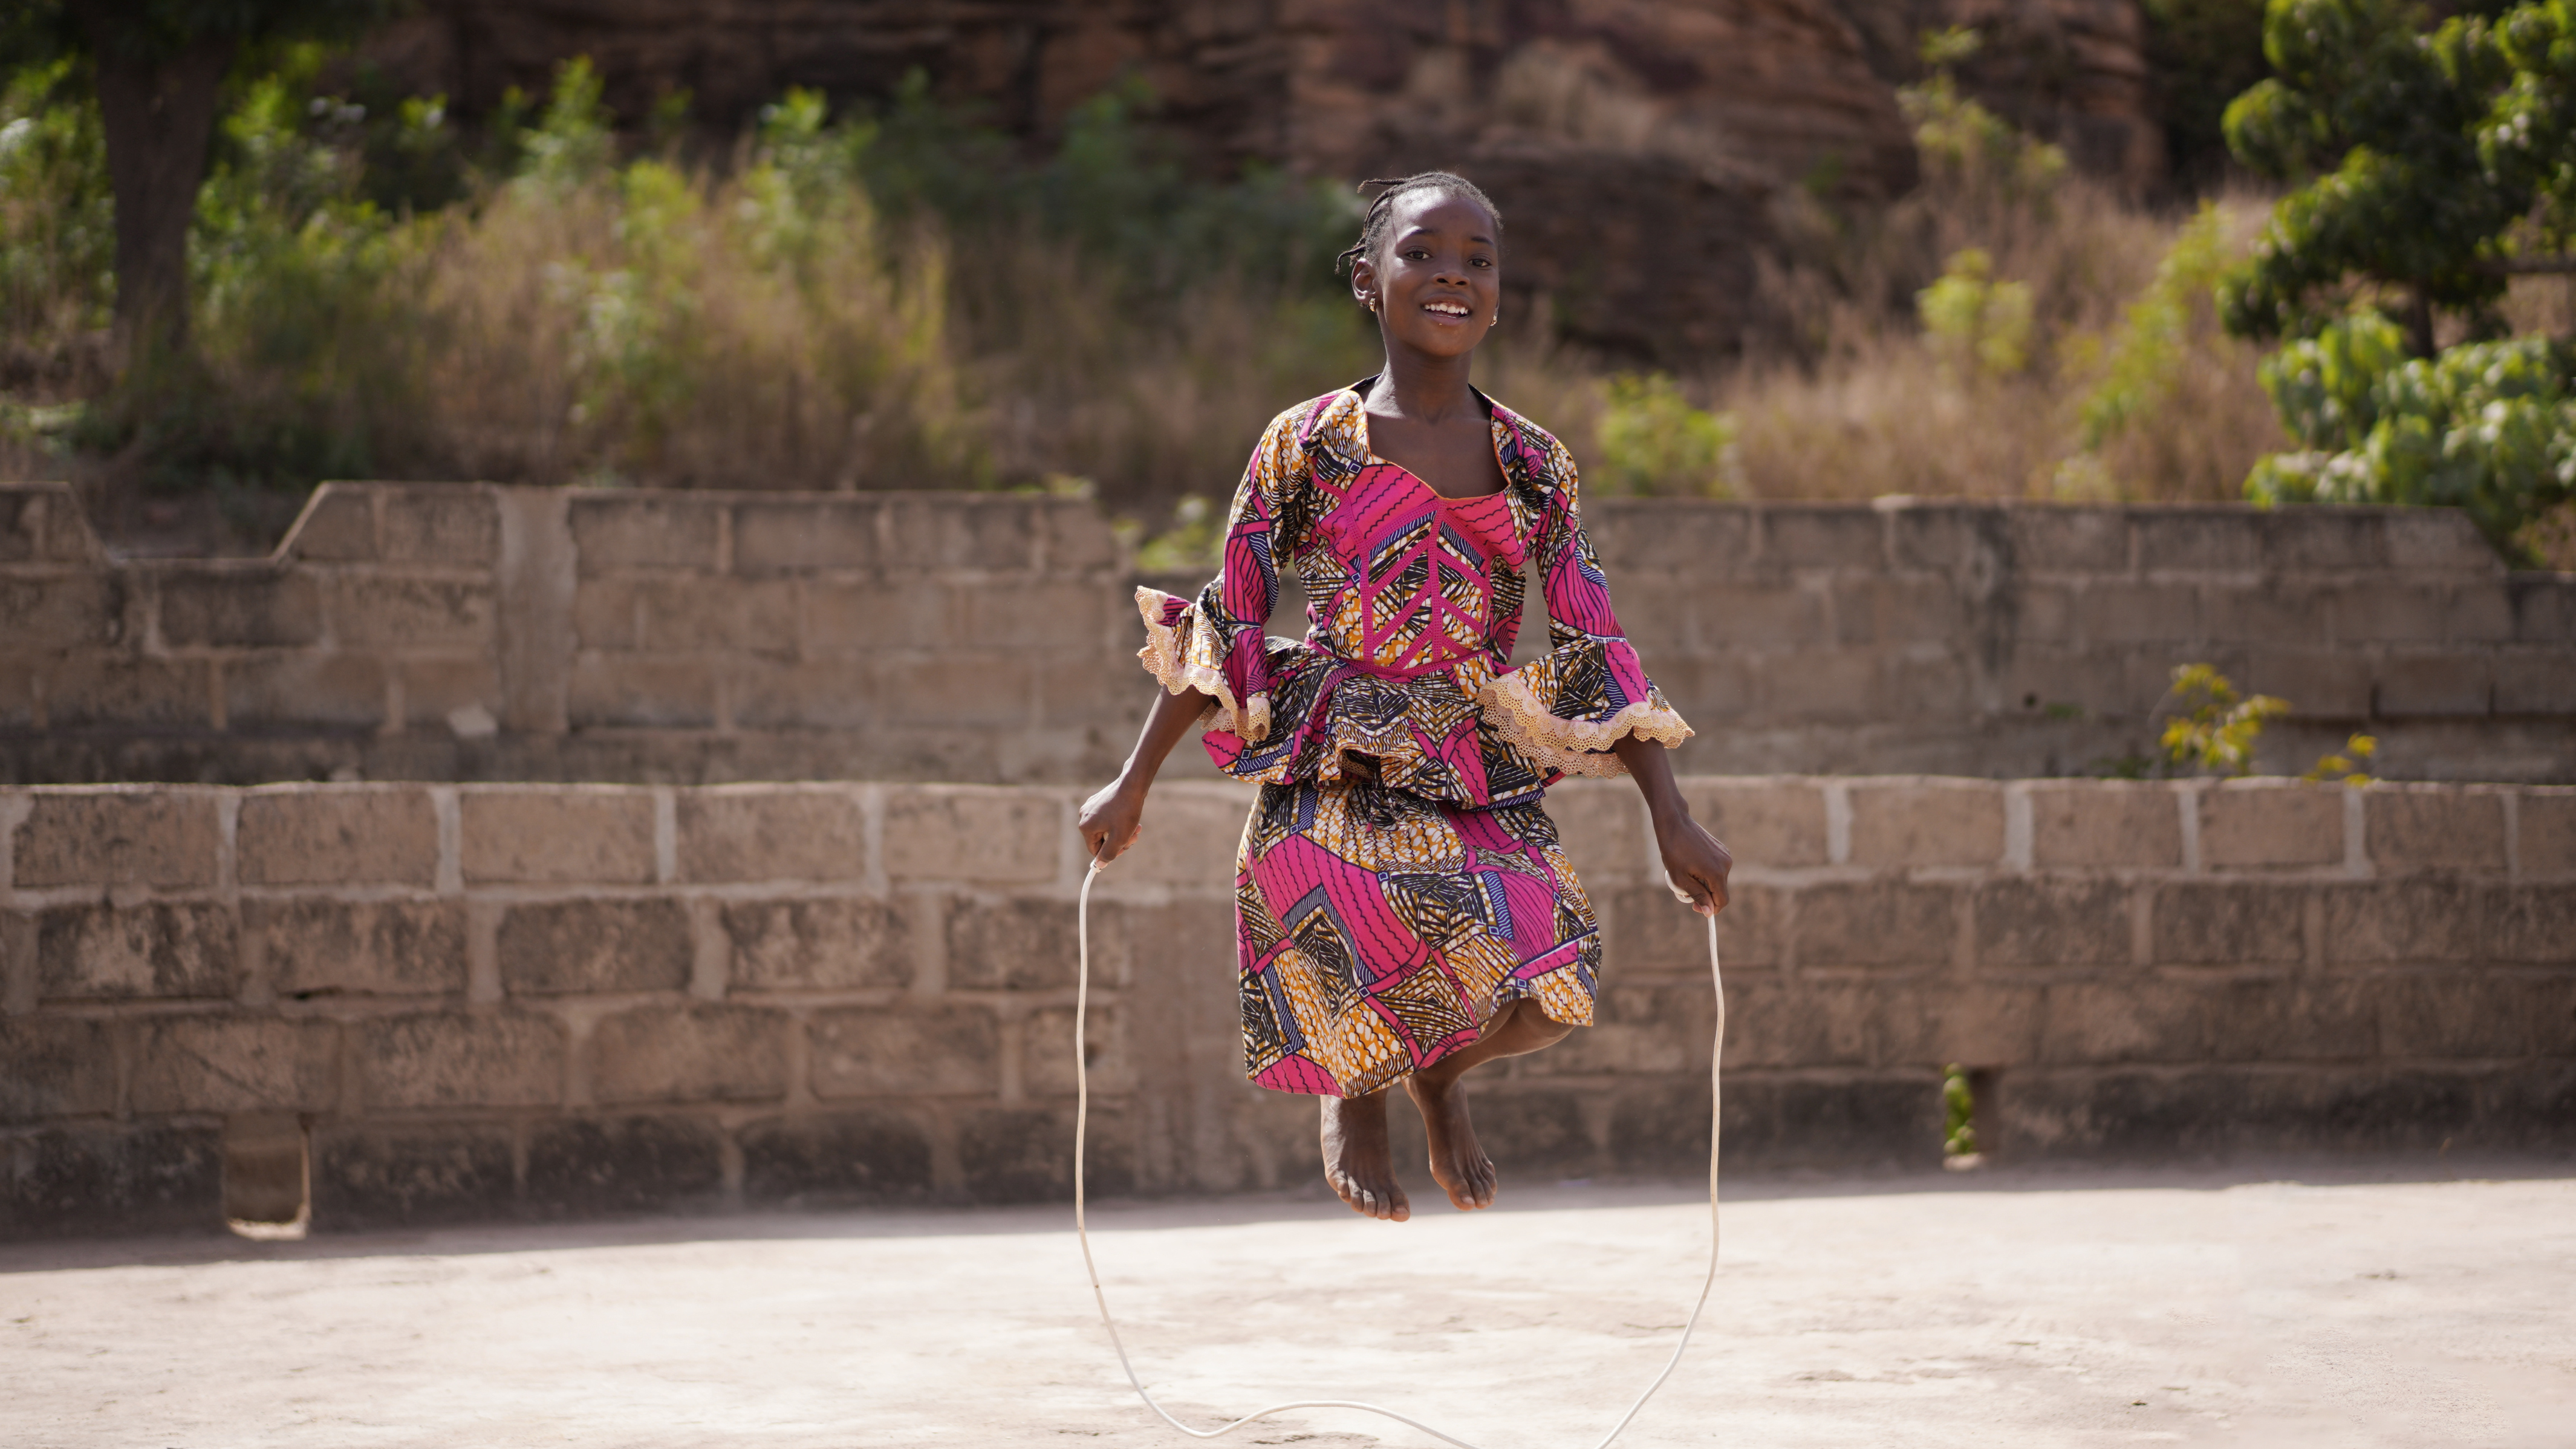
[(1215, 643), (1591, 691)]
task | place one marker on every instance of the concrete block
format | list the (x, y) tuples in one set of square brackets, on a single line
[(1645, 930), (156, 949), (1642, 1028), (2280, 615), (1897, 611), (2433, 539), (1704, 690), (821, 694), (2319, 684), (1538, 1134), (2197, 540), (2306, 540), (590, 1166), (2544, 608), (961, 531), (115, 692), (1639, 535), (608, 613), (113, 1181), (1945, 536), (442, 525), (303, 691), (2468, 1014), (2044, 921), (461, 1059), (816, 945), (846, 617), (768, 832), (972, 833), (2284, 1019), (611, 533), (557, 834), (1076, 693), (1017, 944), (373, 948), (1927, 822), (2235, 923), (2104, 823), (392, 611), (2535, 680), (570, 947), (2547, 824), (961, 687), (256, 607), (55, 1066), (2478, 616), (1191, 836), (1039, 614), (2270, 825), (2413, 921), (1818, 686), (369, 1175), (835, 1160), (2533, 924), (234, 1063), (1876, 923), (1914, 684), (697, 1052), (2047, 539), (1046, 1052), (617, 691), (2125, 613), (338, 835), (1074, 538), (116, 836), (2386, 612), (2091, 681), (2434, 684), (439, 693), (2433, 827), (1822, 535), (1601, 827), (1774, 615), (1848, 1120), (944, 1049), (338, 526), (771, 538), (1014, 1154), (62, 612), (1769, 824), (17, 694), (1992, 1025), (2115, 1023)]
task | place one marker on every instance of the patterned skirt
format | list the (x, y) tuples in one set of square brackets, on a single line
[(1378, 931)]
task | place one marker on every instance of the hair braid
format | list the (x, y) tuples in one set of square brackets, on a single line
[(1381, 209)]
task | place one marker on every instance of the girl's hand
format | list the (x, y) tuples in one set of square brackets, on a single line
[(1695, 863), (1111, 820)]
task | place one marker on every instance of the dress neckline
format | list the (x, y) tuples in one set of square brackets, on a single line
[(1359, 394)]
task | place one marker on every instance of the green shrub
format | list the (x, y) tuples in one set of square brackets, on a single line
[(1652, 441)]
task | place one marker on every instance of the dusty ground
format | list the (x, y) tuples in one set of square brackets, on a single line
[(1987, 1311)]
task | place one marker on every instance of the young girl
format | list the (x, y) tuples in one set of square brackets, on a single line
[(1402, 910)]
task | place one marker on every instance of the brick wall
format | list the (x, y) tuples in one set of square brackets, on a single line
[(485, 1001), (482, 633)]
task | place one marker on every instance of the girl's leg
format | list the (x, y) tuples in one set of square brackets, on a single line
[(1357, 1161), (1458, 1164)]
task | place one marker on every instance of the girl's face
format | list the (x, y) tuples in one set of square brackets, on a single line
[(1437, 279)]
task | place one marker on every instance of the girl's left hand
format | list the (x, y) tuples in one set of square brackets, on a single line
[(1695, 863)]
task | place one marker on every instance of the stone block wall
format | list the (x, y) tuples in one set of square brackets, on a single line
[(487, 1001), (427, 632)]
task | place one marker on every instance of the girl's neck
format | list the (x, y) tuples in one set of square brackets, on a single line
[(1421, 388)]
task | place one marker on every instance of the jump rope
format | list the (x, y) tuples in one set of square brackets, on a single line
[(1081, 1130)]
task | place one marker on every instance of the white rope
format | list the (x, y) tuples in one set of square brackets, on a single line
[(1081, 1130)]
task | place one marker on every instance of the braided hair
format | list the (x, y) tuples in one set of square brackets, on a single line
[(1381, 209)]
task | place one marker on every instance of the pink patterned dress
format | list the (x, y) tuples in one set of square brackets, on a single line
[(1380, 923)]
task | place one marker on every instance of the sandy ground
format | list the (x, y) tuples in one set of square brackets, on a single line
[(1983, 1310)]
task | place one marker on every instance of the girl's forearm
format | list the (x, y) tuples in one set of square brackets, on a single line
[(1651, 766), (1170, 719)]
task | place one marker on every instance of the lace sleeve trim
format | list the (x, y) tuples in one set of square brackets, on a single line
[(1165, 657), (1575, 746)]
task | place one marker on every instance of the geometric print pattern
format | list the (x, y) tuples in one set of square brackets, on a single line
[(1384, 914)]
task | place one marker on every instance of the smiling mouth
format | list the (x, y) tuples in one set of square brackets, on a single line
[(1446, 309)]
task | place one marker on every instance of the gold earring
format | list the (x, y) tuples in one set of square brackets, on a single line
[(1497, 317)]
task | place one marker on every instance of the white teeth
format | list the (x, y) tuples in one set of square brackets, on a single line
[(1449, 308)]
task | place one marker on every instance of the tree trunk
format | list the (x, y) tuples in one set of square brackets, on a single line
[(158, 117), (2418, 321)]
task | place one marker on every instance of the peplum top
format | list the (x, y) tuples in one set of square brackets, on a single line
[(1413, 602)]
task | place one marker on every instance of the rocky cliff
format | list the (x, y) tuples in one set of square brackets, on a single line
[(1635, 145)]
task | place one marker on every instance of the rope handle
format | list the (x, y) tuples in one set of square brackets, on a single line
[(1081, 1133)]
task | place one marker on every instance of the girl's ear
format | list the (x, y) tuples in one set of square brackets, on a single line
[(1364, 283)]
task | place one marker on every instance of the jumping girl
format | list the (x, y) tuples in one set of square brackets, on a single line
[(1402, 910)]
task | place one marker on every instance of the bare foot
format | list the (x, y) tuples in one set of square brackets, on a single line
[(1357, 1161), (1457, 1163)]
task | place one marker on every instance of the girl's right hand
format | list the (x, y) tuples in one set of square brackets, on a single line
[(1111, 820)]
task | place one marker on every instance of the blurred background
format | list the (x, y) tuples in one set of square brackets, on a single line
[(1756, 248)]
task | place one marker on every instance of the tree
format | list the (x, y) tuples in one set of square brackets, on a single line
[(159, 67)]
